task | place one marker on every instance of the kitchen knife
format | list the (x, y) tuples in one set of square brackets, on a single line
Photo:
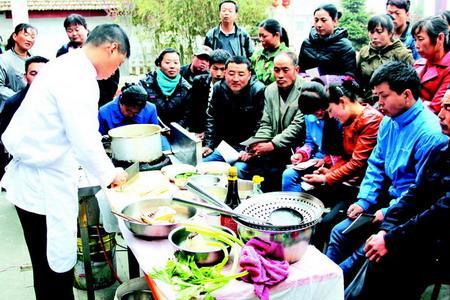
[(132, 171)]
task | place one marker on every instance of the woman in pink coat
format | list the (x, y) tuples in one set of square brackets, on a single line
[(432, 43)]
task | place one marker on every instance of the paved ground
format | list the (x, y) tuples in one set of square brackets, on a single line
[(16, 277)]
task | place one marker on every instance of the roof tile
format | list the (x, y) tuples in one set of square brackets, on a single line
[(5, 5)]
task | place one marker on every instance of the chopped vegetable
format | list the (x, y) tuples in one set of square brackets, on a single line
[(191, 281), (185, 175)]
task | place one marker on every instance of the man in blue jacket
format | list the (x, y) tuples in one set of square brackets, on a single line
[(412, 249), (408, 135)]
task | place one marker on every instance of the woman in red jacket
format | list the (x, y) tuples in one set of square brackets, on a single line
[(360, 127), (432, 43)]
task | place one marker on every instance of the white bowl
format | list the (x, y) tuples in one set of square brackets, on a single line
[(173, 170), (213, 168)]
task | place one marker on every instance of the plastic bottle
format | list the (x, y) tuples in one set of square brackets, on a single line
[(232, 199), (256, 180)]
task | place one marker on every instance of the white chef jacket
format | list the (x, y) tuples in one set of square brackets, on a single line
[(53, 132)]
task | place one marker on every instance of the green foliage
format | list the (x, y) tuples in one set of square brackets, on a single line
[(355, 19), (182, 24)]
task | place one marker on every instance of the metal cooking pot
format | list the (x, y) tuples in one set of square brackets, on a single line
[(294, 242), (136, 143), (155, 231)]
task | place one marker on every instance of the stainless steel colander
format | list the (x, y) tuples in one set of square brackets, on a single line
[(293, 239), (261, 206)]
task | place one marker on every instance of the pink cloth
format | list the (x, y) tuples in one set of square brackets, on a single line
[(265, 264)]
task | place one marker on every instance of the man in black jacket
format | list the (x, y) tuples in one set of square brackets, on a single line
[(412, 249), (235, 109), (202, 88), (227, 35)]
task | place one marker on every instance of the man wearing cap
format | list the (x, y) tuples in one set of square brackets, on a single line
[(199, 64), (202, 89), (131, 107)]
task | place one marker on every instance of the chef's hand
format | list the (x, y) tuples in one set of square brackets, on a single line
[(354, 210), (375, 247), (297, 158), (314, 179), (120, 178), (206, 151), (261, 148), (378, 217), (245, 156)]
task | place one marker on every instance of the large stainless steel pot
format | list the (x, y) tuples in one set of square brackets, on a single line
[(136, 143)]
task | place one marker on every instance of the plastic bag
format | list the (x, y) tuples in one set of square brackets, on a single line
[(355, 288)]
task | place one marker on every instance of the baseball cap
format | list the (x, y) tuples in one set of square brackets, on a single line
[(203, 50)]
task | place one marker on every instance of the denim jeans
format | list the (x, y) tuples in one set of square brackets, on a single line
[(347, 250), (290, 181), (165, 145), (214, 156)]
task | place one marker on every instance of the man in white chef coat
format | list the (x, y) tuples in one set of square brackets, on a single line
[(53, 132)]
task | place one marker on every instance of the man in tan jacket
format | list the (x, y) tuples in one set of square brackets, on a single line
[(281, 127)]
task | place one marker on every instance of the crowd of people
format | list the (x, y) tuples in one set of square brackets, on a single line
[(364, 131)]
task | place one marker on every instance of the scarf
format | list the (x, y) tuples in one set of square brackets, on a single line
[(167, 84)]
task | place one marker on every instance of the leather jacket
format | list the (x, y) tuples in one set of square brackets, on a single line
[(233, 117)]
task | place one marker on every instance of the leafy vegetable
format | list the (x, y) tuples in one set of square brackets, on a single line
[(192, 281), (185, 175)]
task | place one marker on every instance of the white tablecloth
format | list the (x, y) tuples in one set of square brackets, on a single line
[(314, 277)]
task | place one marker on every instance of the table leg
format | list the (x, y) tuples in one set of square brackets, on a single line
[(86, 249), (133, 265)]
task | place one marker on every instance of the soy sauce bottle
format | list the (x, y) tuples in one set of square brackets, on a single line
[(232, 199)]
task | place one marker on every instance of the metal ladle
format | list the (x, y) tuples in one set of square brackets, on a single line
[(227, 212), (204, 195), (285, 216)]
